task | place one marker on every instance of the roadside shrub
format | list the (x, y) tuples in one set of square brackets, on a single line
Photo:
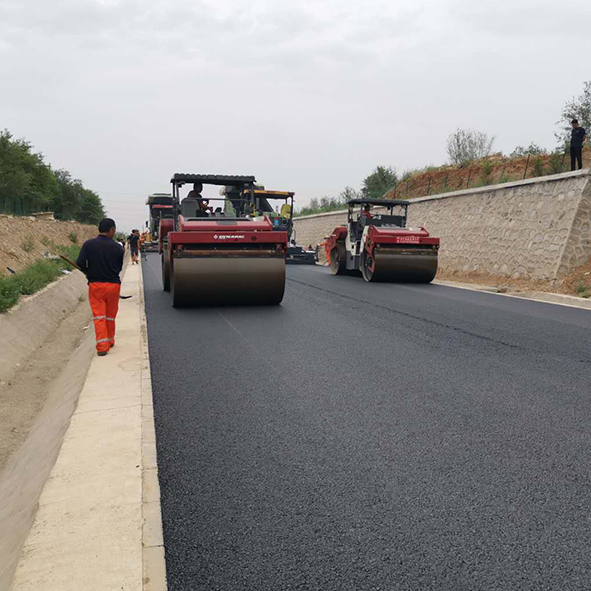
[(532, 150), (70, 251), (46, 241), (9, 293), (34, 278), (486, 173), (538, 167), (556, 162), (487, 167), (37, 276), (28, 243), (73, 237)]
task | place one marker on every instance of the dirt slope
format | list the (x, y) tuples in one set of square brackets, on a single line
[(24, 239), (488, 171)]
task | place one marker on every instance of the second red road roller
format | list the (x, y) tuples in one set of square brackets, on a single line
[(223, 255), (380, 246)]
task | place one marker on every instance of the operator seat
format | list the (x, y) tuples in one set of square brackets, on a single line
[(189, 207)]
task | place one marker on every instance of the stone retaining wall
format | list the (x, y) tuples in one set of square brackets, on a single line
[(537, 228)]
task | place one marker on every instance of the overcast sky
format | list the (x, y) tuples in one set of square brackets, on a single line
[(308, 96)]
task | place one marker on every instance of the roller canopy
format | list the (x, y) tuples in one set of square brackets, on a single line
[(384, 202), (212, 179)]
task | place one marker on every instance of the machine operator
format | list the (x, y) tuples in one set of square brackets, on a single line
[(194, 197)]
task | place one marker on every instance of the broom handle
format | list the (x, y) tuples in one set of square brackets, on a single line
[(121, 297), (70, 262)]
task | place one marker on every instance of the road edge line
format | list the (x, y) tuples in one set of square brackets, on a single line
[(153, 560)]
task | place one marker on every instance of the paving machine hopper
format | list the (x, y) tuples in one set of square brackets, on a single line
[(160, 206), (282, 220), (221, 256), (380, 246)]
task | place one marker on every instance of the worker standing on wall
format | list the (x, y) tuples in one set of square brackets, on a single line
[(101, 260), (578, 135)]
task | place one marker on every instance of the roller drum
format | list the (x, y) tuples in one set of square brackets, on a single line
[(165, 270), (213, 281), (403, 266)]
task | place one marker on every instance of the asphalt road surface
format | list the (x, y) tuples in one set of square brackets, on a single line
[(373, 436)]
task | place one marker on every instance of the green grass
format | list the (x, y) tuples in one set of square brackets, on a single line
[(34, 278), (582, 290)]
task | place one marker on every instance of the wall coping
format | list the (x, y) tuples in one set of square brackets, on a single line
[(475, 190)]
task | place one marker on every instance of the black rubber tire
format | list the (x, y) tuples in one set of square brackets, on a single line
[(165, 271), (364, 267), (338, 259)]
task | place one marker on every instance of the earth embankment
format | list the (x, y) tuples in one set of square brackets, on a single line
[(23, 240)]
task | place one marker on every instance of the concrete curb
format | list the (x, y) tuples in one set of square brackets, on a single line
[(559, 299), (154, 565), (98, 526)]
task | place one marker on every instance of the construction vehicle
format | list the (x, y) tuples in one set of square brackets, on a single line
[(230, 255), (160, 206), (380, 246), (282, 220)]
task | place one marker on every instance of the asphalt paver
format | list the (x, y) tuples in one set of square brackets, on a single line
[(372, 437)]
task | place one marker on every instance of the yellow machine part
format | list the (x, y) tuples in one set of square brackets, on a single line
[(286, 211)]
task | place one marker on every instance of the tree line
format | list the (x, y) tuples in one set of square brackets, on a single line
[(28, 185), (464, 146)]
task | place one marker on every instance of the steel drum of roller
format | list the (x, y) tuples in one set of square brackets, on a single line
[(400, 265), (165, 269), (232, 280)]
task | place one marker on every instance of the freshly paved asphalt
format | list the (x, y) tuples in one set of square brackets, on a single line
[(373, 436)]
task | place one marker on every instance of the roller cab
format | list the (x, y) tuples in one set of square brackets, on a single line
[(159, 208), (281, 217), (380, 246)]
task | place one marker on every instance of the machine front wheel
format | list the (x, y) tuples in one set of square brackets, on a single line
[(338, 259), (367, 266)]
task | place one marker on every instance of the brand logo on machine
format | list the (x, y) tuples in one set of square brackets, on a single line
[(407, 239), (228, 236)]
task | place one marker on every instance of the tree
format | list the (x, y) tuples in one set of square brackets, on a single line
[(28, 184), (577, 108), (346, 194), (91, 208), (532, 150), (379, 182), (66, 204), (466, 145), (314, 203)]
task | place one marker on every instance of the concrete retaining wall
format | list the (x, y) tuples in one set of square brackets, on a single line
[(25, 327), (537, 228)]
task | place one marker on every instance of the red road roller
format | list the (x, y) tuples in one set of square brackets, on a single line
[(224, 255), (380, 246)]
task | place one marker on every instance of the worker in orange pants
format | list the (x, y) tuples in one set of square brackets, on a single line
[(104, 303), (101, 260)]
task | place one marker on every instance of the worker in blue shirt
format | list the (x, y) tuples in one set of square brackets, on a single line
[(101, 260), (578, 135)]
